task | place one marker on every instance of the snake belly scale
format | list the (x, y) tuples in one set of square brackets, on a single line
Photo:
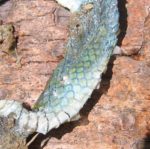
[(92, 38)]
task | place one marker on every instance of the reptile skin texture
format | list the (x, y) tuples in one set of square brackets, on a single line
[(92, 38)]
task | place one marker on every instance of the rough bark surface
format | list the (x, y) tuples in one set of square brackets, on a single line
[(7, 137), (117, 115)]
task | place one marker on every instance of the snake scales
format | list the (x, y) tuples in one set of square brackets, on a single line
[(92, 38)]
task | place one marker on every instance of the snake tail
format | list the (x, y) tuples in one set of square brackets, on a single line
[(92, 37)]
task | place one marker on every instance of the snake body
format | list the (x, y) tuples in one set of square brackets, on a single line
[(92, 38)]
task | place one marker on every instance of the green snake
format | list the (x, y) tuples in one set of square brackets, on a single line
[(92, 38)]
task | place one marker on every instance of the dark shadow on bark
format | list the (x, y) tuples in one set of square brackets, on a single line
[(3, 1), (147, 141), (123, 14)]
